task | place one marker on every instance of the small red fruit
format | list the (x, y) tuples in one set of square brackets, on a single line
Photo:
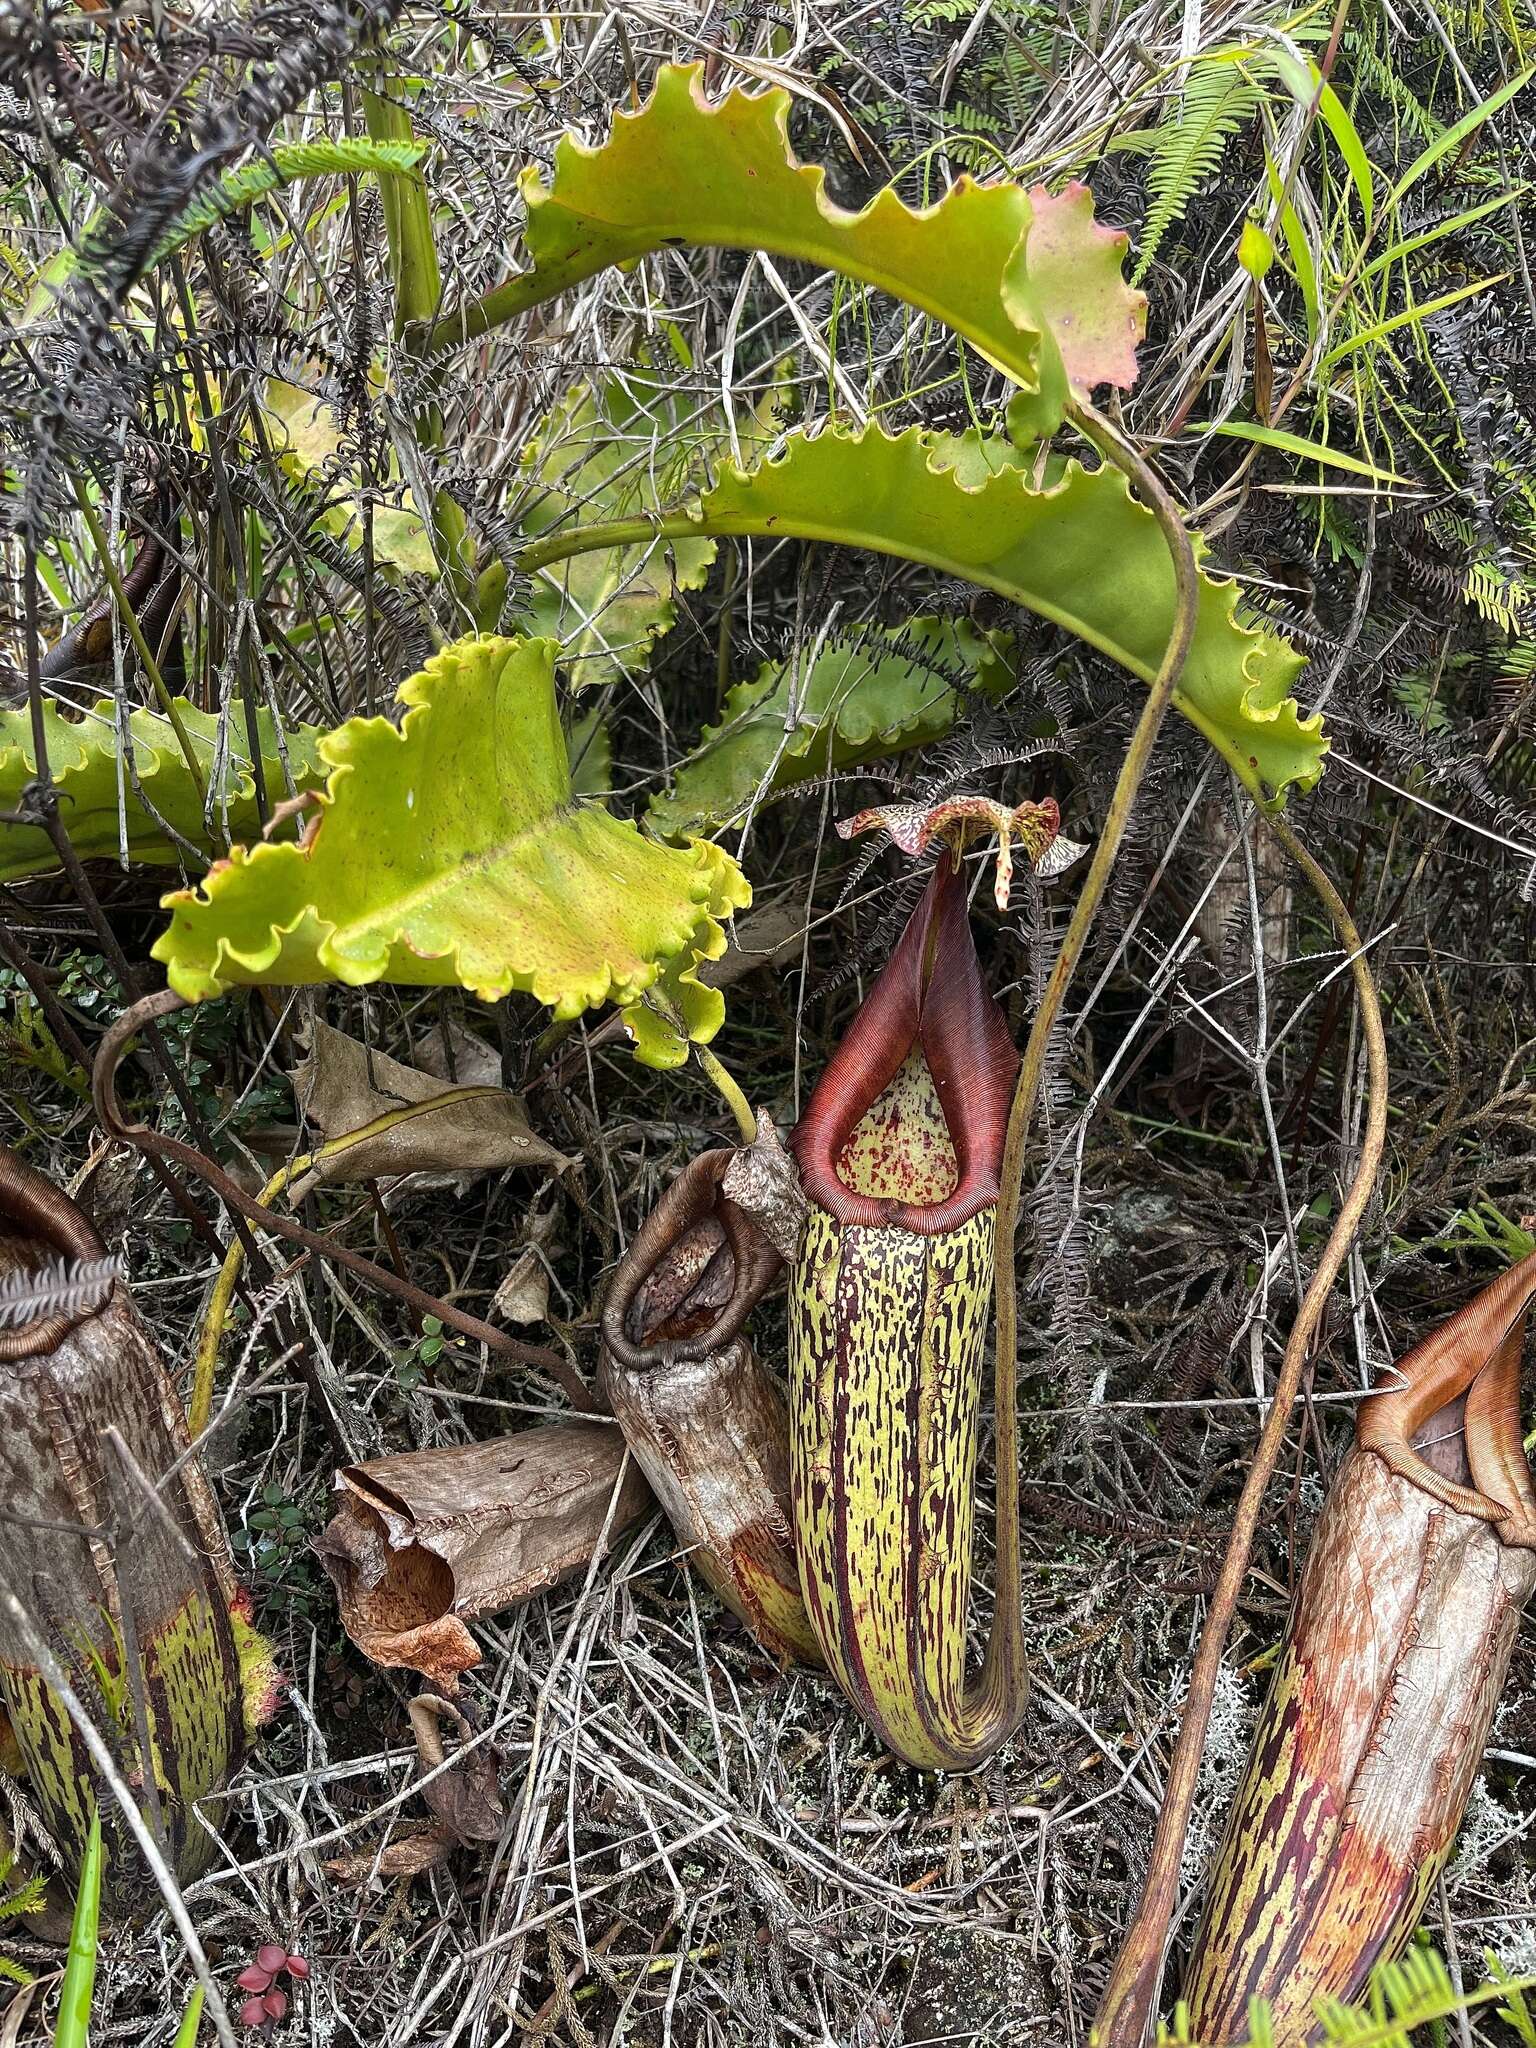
[(276, 2003), (271, 1958), (298, 1969), (254, 1978), (253, 2013)]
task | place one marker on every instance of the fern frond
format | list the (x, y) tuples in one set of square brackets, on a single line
[(16, 1901), (61, 1288), (1402, 1997), (345, 155), (1517, 2014), (28, 1897), (1503, 601), (1185, 150)]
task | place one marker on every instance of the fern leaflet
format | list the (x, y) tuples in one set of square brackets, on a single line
[(1186, 149)]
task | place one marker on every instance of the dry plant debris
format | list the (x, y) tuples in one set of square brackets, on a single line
[(699, 1847)]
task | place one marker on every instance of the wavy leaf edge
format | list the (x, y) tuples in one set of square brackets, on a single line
[(78, 746), (694, 797), (1076, 325), (1263, 701), (715, 890)]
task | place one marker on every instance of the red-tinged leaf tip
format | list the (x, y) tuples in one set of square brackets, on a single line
[(254, 1978), (253, 2013), (271, 1958), (1075, 271), (931, 998), (276, 2004), (298, 1968)]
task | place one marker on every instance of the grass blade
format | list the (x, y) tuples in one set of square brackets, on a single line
[(1454, 137), (1298, 444), (1410, 318), (1413, 243), (74, 2020), (191, 2020)]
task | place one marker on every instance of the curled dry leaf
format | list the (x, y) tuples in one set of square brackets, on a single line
[(423, 1542), (342, 1085), (702, 1415), (408, 1854), (466, 1797), (459, 1057), (523, 1296)]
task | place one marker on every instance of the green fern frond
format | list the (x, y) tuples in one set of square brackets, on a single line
[(1502, 600), (16, 1901), (1185, 150), (1416, 1992), (937, 13), (1380, 75), (1517, 2014), (348, 155)]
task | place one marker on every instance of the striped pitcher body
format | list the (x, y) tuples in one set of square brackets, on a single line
[(118, 1558), (1393, 1661), (890, 1292), (885, 1347)]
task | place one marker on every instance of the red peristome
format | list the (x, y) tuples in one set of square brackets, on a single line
[(271, 1958), (930, 995), (298, 1968)]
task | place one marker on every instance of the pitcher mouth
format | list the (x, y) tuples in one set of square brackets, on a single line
[(1449, 1418), (695, 1272), (920, 1088)]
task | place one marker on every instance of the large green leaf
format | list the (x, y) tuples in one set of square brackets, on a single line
[(451, 850), (1026, 278), (607, 452), (99, 804), (866, 695), (1082, 553)]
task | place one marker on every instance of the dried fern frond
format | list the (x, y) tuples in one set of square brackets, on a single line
[(63, 1287)]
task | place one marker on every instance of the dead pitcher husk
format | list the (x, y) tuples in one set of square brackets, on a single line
[(425, 1541), (705, 1418), (114, 1562), (899, 1150), (1391, 1668)]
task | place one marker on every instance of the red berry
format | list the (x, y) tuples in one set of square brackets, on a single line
[(271, 1958), (298, 1969), (253, 2013), (276, 2003), (254, 1978)]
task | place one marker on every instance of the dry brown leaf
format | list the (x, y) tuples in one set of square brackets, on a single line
[(458, 1056), (702, 1414), (341, 1086), (466, 1797), (408, 1855), (423, 1542), (523, 1296)]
